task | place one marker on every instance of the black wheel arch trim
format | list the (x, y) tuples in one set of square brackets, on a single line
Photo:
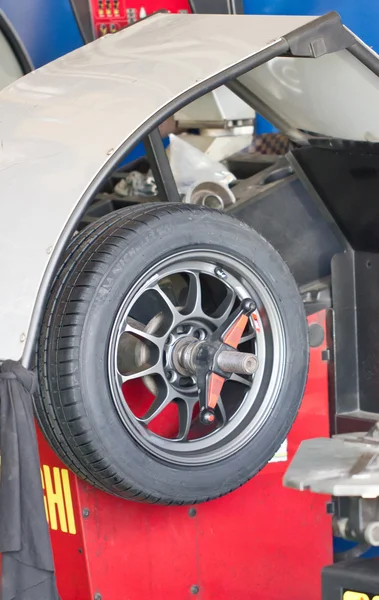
[(15, 43)]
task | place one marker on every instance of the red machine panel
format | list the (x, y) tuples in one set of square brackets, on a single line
[(111, 15), (262, 541)]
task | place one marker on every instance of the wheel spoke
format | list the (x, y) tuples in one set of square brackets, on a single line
[(239, 379), (185, 419), (224, 309), (137, 329), (175, 314), (193, 304), (249, 336), (143, 372), (163, 399), (220, 412)]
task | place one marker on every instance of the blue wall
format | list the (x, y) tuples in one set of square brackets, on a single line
[(362, 17), (47, 28)]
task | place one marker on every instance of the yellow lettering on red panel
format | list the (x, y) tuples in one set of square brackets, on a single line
[(44, 497), (58, 499), (68, 501), (55, 500), (355, 596)]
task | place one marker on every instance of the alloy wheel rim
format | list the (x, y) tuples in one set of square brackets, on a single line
[(188, 295)]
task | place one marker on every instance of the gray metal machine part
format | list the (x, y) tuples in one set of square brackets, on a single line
[(347, 468), (346, 465)]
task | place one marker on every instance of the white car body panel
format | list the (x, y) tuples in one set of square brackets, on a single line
[(320, 95), (63, 127)]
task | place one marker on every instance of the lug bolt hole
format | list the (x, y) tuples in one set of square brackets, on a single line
[(200, 334), (169, 375)]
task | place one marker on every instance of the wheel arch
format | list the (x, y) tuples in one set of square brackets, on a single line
[(192, 94)]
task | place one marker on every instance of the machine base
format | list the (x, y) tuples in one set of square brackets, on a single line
[(356, 579), (262, 541)]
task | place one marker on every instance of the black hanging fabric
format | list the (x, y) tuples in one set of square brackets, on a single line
[(27, 562)]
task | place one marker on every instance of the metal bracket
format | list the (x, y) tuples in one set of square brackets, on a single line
[(322, 36), (225, 7), (346, 465), (160, 166)]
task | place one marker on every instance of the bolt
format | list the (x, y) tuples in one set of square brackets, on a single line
[(195, 589), (316, 335), (330, 508), (200, 334), (192, 512), (97, 596), (326, 355), (85, 512), (22, 338), (207, 417), (248, 306), (220, 273)]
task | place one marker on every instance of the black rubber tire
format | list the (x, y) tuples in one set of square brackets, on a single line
[(74, 405)]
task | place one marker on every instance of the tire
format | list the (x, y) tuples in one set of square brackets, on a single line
[(77, 406)]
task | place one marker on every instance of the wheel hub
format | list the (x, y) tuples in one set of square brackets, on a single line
[(185, 333), (191, 349), (176, 353), (213, 360)]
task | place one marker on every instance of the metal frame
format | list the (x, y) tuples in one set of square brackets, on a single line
[(263, 109), (83, 17), (160, 166), (349, 206), (231, 7), (366, 56), (15, 43)]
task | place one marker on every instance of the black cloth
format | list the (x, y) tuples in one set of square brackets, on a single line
[(27, 562)]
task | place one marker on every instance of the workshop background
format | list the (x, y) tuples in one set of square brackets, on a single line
[(290, 532)]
